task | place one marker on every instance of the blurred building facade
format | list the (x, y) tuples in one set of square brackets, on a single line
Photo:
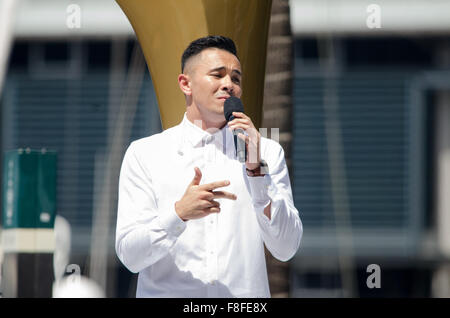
[(369, 149)]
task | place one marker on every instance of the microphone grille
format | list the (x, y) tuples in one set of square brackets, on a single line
[(232, 104)]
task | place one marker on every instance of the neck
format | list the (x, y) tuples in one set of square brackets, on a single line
[(204, 122)]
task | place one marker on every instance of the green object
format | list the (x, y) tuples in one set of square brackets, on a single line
[(29, 189)]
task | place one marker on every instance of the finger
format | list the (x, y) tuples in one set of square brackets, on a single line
[(197, 177), (248, 140), (213, 210), (249, 130), (243, 137), (214, 185), (206, 204), (240, 126), (224, 195), (240, 114), (238, 120)]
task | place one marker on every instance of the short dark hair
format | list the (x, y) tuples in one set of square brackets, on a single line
[(212, 41)]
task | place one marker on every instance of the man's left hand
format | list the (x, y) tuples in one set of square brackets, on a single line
[(252, 141)]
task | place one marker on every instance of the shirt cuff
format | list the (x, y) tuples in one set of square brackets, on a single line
[(259, 188), (172, 223)]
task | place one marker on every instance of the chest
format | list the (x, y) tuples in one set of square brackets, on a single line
[(174, 172)]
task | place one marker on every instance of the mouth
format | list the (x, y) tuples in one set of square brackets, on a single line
[(224, 97)]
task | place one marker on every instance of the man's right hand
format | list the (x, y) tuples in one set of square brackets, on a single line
[(198, 200)]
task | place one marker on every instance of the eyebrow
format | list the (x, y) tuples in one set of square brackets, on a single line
[(221, 68)]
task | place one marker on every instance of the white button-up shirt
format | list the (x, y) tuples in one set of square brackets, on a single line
[(222, 254)]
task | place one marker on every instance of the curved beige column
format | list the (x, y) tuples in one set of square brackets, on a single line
[(165, 28)]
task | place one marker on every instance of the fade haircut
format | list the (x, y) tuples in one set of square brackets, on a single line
[(212, 41)]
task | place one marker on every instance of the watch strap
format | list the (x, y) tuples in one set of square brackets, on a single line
[(260, 171)]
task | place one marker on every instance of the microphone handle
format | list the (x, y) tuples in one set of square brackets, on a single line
[(239, 145)]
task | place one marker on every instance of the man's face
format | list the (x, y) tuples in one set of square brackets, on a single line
[(215, 75)]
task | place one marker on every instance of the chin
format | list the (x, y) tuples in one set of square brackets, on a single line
[(219, 107), (220, 112)]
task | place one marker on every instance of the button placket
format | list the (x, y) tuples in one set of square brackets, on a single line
[(211, 253), (212, 157), (209, 149)]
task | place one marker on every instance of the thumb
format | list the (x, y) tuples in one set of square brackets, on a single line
[(197, 177)]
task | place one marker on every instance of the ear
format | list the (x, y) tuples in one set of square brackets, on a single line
[(185, 84)]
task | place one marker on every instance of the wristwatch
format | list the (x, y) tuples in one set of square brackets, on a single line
[(260, 171)]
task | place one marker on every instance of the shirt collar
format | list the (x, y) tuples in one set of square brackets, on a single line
[(199, 137)]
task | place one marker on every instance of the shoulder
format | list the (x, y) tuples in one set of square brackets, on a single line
[(271, 147), (156, 143)]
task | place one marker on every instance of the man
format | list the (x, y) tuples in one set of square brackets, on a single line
[(184, 236)]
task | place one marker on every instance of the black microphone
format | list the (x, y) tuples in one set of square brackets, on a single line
[(234, 104)]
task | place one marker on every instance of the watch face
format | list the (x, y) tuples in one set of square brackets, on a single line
[(264, 167)]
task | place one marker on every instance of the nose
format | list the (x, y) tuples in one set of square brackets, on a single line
[(227, 84)]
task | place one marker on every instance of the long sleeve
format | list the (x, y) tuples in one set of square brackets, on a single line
[(283, 232), (144, 235)]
